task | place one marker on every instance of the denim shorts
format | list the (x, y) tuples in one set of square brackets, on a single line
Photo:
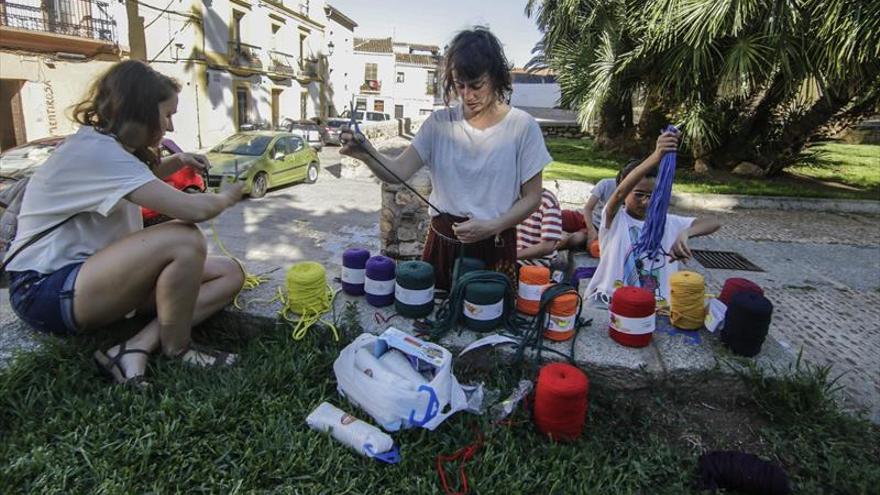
[(45, 302)]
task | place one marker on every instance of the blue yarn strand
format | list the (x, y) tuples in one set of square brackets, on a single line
[(651, 237)]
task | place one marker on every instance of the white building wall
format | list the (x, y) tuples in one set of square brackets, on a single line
[(412, 92), (343, 68), (535, 95), (385, 72)]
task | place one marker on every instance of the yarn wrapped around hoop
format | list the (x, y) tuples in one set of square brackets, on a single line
[(561, 401)]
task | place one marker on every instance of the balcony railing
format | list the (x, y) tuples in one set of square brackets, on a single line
[(282, 63), (371, 86), (308, 67), (80, 18), (244, 55)]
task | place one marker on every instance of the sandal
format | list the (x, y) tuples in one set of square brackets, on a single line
[(197, 353), (112, 368)]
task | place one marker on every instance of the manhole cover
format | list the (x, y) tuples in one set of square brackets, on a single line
[(725, 260)]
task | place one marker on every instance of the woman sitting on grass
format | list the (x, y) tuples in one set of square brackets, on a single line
[(99, 264)]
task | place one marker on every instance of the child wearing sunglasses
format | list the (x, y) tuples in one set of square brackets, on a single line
[(621, 227)]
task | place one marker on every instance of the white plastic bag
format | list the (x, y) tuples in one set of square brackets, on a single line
[(364, 438), (395, 404)]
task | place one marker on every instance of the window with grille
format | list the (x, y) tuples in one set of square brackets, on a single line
[(371, 72)]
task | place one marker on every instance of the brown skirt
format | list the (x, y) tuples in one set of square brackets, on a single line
[(442, 249)]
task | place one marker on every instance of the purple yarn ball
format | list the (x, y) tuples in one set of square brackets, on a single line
[(354, 260), (379, 284)]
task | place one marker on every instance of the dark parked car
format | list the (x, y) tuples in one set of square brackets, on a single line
[(333, 129), (21, 161), (311, 132)]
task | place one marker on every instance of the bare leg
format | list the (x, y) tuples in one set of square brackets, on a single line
[(168, 260)]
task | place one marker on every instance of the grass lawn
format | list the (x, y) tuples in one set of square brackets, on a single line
[(242, 430), (849, 171)]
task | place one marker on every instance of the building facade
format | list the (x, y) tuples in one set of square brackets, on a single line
[(340, 49), (241, 63), (50, 53), (399, 79)]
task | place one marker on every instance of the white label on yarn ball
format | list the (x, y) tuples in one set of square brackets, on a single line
[(632, 326), (530, 292), (483, 312), (353, 275), (560, 323), (379, 287), (413, 297)]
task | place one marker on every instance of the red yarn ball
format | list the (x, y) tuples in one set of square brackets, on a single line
[(632, 302), (561, 401), (734, 286)]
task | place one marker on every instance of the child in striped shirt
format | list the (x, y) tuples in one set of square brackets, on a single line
[(538, 235)]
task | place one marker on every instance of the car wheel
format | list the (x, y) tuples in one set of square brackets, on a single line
[(261, 184), (312, 173)]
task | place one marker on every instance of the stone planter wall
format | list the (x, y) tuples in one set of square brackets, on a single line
[(404, 219), (572, 130)]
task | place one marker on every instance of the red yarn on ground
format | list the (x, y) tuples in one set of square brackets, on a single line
[(632, 302), (561, 401), (734, 286)]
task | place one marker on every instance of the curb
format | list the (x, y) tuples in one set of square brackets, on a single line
[(576, 192)]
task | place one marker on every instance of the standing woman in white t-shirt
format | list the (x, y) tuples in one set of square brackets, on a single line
[(100, 264), (485, 159)]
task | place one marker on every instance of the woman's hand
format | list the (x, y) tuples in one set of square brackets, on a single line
[(196, 161), (680, 249), (354, 144), (233, 191), (473, 230)]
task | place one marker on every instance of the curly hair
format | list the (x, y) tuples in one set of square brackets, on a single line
[(471, 54), (124, 102)]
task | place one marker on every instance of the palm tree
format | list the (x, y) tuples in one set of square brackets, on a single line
[(745, 79)]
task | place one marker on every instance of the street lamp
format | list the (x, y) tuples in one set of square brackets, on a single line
[(330, 47)]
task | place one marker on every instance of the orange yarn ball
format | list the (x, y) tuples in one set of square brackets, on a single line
[(594, 248)]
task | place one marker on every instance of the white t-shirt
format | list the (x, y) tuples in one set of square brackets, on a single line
[(618, 265), (88, 175), (478, 173), (602, 191)]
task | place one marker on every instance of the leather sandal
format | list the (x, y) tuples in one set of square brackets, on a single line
[(112, 368)]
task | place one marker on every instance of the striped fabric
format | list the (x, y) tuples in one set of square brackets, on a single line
[(544, 224)]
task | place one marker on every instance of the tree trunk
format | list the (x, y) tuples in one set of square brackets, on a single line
[(615, 131), (653, 119)]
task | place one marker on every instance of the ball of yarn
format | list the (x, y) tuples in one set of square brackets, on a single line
[(306, 286), (743, 472), (561, 401), (354, 263), (466, 265), (687, 309), (532, 281), (561, 317), (733, 286), (632, 316), (483, 307), (414, 290), (379, 282), (595, 252), (747, 323), (581, 273)]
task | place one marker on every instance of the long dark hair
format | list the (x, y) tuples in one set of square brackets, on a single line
[(124, 102), (471, 54)]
